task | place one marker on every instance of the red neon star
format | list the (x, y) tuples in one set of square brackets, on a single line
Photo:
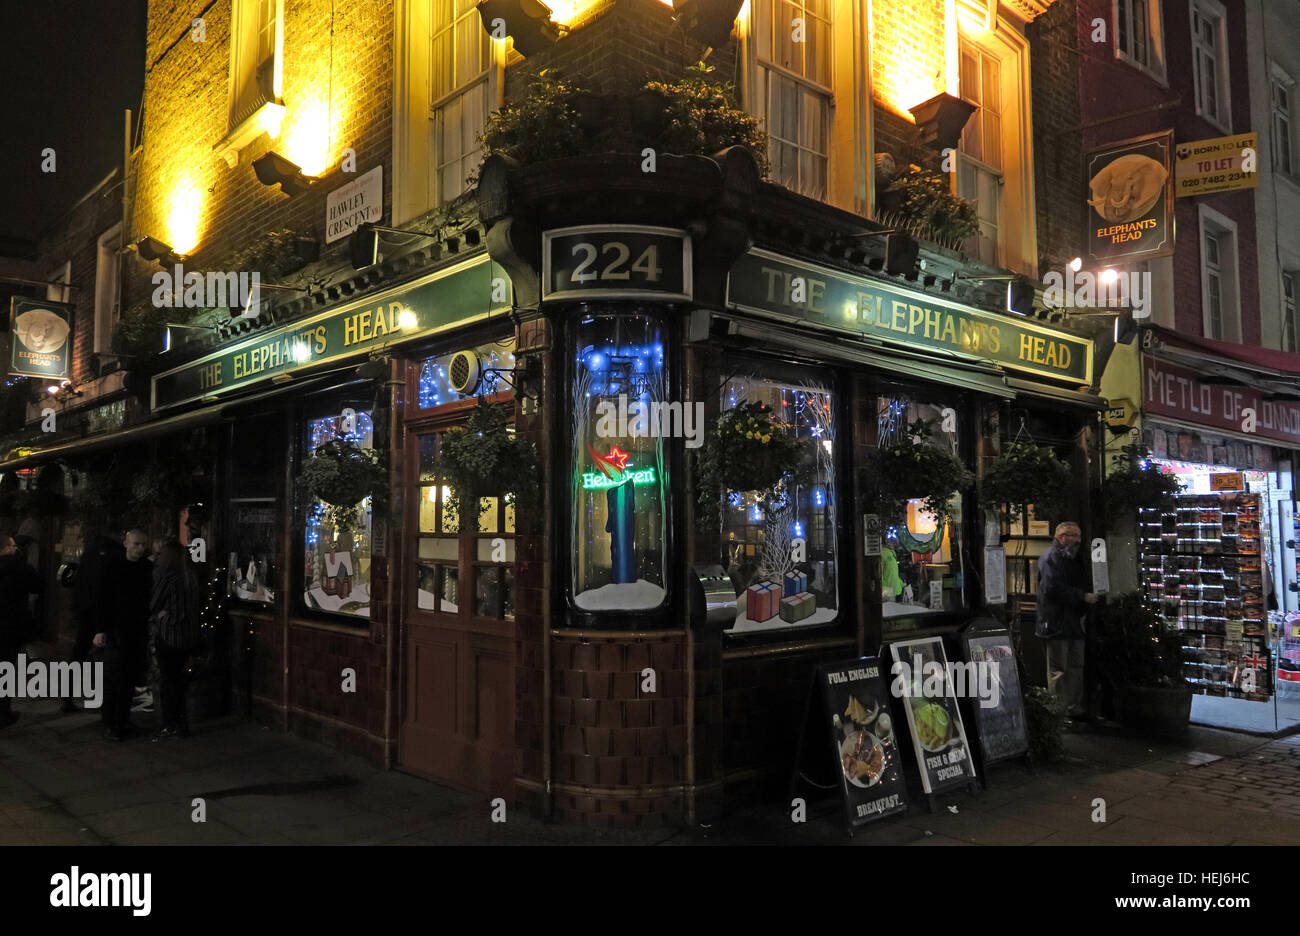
[(617, 457)]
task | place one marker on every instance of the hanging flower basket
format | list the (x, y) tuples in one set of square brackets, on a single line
[(751, 450), (343, 474), (486, 459), (1134, 482), (914, 467), (1027, 474)]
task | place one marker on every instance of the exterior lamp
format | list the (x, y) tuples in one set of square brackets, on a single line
[(940, 120), (901, 253), (1020, 297), (527, 22), (274, 169), (1076, 264), (708, 21), (150, 248)]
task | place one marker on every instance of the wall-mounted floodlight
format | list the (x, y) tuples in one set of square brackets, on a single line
[(708, 21), (274, 169), (150, 248), (941, 119), (527, 22)]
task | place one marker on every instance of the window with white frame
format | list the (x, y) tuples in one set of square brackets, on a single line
[(793, 86), (1210, 61), (256, 31), (1220, 292), (460, 59), (1290, 324), (107, 305), (980, 174), (1283, 141), (1139, 35)]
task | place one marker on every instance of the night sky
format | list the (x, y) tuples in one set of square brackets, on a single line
[(68, 69)]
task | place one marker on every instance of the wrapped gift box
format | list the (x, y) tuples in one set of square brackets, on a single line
[(761, 601), (795, 582), (797, 607)]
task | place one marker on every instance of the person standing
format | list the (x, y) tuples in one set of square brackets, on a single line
[(18, 581), (174, 620), (1063, 603), (123, 592)]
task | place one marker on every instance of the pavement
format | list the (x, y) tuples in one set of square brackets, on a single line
[(62, 783)]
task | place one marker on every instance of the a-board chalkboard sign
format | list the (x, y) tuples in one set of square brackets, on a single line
[(851, 699), (1001, 727), (922, 679)]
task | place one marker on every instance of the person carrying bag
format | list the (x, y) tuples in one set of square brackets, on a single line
[(174, 622)]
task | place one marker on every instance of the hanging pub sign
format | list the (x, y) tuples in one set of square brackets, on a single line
[(1130, 198), (613, 261), (1223, 164), (999, 713), (854, 706), (921, 678), (40, 337), (805, 293)]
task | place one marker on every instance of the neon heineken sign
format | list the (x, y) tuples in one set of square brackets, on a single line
[(614, 471)]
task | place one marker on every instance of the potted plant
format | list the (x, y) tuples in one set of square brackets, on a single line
[(1141, 659), (923, 199), (342, 474), (1135, 482), (1027, 474), (485, 458), (913, 466), (1045, 724), (751, 450)]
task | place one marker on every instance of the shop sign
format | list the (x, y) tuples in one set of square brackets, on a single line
[(349, 206), (40, 337), (1177, 392), (1204, 167), (1228, 481), (1130, 199), (1001, 727), (938, 735), (1120, 413), (854, 705), (767, 283), (449, 298), (611, 261)]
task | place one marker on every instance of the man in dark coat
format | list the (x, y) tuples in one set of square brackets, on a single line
[(1063, 602), (18, 581), (123, 586), (93, 559)]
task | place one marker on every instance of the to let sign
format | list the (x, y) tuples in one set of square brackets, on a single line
[(1203, 167), (612, 261), (1177, 392), (350, 206)]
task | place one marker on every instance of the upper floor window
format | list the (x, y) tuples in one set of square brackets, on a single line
[(1220, 296), (1290, 323), (458, 96), (1139, 37), (793, 85), (107, 304), (1210, 61), (1283, 141), (980, 177), (255, 56)]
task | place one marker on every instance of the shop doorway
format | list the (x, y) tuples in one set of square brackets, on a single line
[(458, 613)]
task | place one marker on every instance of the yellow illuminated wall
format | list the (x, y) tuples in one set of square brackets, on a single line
[(910, 59)]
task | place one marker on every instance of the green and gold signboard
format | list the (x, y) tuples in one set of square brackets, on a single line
[(803, 292), (453, 297)]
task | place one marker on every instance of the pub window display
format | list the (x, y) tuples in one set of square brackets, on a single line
[(619, 530), (779, 545), (252, 562), (921, 565), (336, 562)]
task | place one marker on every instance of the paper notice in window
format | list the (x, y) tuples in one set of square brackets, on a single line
[(936, 596), (995, 575)]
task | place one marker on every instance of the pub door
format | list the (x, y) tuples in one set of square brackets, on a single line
[(458, 679)]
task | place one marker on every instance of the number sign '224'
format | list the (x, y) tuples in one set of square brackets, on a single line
[(616, 262)]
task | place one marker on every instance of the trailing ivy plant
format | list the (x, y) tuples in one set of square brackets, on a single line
[(485, 458), (750, 449), (924, 197), (1027, 474), (343, 474), (274, 254), (913, 466), (1135, 482)]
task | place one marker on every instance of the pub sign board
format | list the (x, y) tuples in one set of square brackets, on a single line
[(855, 706), (1001, 727), (1130, 198), (40, 333), (921, 679), (613, 261)]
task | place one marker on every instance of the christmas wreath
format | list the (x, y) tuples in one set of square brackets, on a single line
[(751, 450), (343, 474), (1027, 474)]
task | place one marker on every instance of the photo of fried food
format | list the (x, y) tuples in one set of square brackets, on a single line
[(863, 759), (1127, 188)]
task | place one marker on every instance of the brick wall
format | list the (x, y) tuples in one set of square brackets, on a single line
[(908, 66), (1058, 168)]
